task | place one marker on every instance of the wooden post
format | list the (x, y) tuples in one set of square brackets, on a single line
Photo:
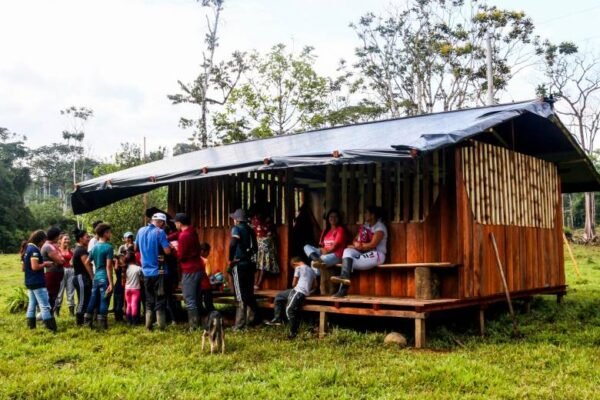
[(482, 321), (571, 255), (322, 324), (326, 285), (420, 332), (423, 283), (506, 291)]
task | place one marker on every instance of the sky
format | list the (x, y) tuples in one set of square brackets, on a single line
[(122, 57)]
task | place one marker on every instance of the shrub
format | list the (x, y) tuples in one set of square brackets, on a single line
[(17, 301)]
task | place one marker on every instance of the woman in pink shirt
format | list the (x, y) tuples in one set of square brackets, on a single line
[(331, 245)]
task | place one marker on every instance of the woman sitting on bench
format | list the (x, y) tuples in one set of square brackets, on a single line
[(331, 245), (367, 251)]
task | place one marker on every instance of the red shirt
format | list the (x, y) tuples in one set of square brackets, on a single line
[(262, 228), (188, 252), (67, 255), (334, 241)]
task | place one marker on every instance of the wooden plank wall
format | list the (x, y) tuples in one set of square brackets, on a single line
[(430, 215), (517, 198), (420, 210), (209, 202)]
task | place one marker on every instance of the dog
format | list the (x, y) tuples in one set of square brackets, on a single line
[(214, 331)]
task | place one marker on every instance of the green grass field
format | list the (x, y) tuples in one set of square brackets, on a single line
[(557, 358)]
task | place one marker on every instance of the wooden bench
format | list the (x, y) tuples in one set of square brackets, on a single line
[(425, 287)]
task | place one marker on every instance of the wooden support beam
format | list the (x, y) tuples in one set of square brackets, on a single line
[(482, 321), (419, 333), (322, 324)]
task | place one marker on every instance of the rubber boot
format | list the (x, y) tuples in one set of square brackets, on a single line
[(31, 323), (72, 310), (344, 278), (250, 316), (149, 319), (79, 319), (102, 322), (240, 317), (343, 291), (161, 319), (50, 324), (193, 319), (88, 321)]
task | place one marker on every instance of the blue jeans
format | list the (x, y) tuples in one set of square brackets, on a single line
[(329, 259), (190, 287), (99, 294), (39, 297)]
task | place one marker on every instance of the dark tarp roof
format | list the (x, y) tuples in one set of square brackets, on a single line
[(535, 130)]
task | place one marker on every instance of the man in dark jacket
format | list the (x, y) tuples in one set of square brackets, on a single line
[(241, 251)]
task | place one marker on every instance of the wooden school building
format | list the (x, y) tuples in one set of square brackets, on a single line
[(464, 193)]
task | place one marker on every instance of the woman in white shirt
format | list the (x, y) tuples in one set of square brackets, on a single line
[(367, 251)]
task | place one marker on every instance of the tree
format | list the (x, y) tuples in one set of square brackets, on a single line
[(215, 82), (15, 217), (430, 57), (127, 214), (182, 148), (78, 117), (281, 93), (574, 77)]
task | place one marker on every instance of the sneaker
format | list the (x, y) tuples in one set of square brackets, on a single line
[(318, 264), (274, 322), (339, 279)]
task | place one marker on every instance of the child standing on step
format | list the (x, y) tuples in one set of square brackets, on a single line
[(292, 300)]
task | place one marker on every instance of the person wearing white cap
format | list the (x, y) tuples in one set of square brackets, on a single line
[(152, 243), (241, 261)]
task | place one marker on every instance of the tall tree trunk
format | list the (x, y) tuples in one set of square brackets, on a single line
[(589, 229)]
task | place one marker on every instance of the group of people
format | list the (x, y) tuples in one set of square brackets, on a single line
[(144, 274), (367, 250)]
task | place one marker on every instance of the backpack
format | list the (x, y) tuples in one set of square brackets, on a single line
[(248, 243)]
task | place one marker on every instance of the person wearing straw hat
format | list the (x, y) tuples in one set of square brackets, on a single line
[(241, 261), (153, 244)]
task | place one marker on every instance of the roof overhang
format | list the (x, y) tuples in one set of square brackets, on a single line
[(530, 127)]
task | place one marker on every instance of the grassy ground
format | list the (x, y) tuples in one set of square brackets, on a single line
[(557, 358)]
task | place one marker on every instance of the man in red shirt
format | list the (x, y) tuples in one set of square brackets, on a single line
[(192, 267)]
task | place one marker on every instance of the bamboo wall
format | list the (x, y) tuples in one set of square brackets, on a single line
[(517, 198)]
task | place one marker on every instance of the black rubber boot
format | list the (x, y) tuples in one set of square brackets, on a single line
[(88, 321), (102, 322), (50, 324), (344, 278), (193, 319), (342, 292), (161, 319), (149, 321), (72, 310), (79, 319), (31, 323)]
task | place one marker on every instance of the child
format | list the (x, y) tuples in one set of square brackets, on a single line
[(304, 283), (133, 287), (206, 298), (101, 255), (35, 281)]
